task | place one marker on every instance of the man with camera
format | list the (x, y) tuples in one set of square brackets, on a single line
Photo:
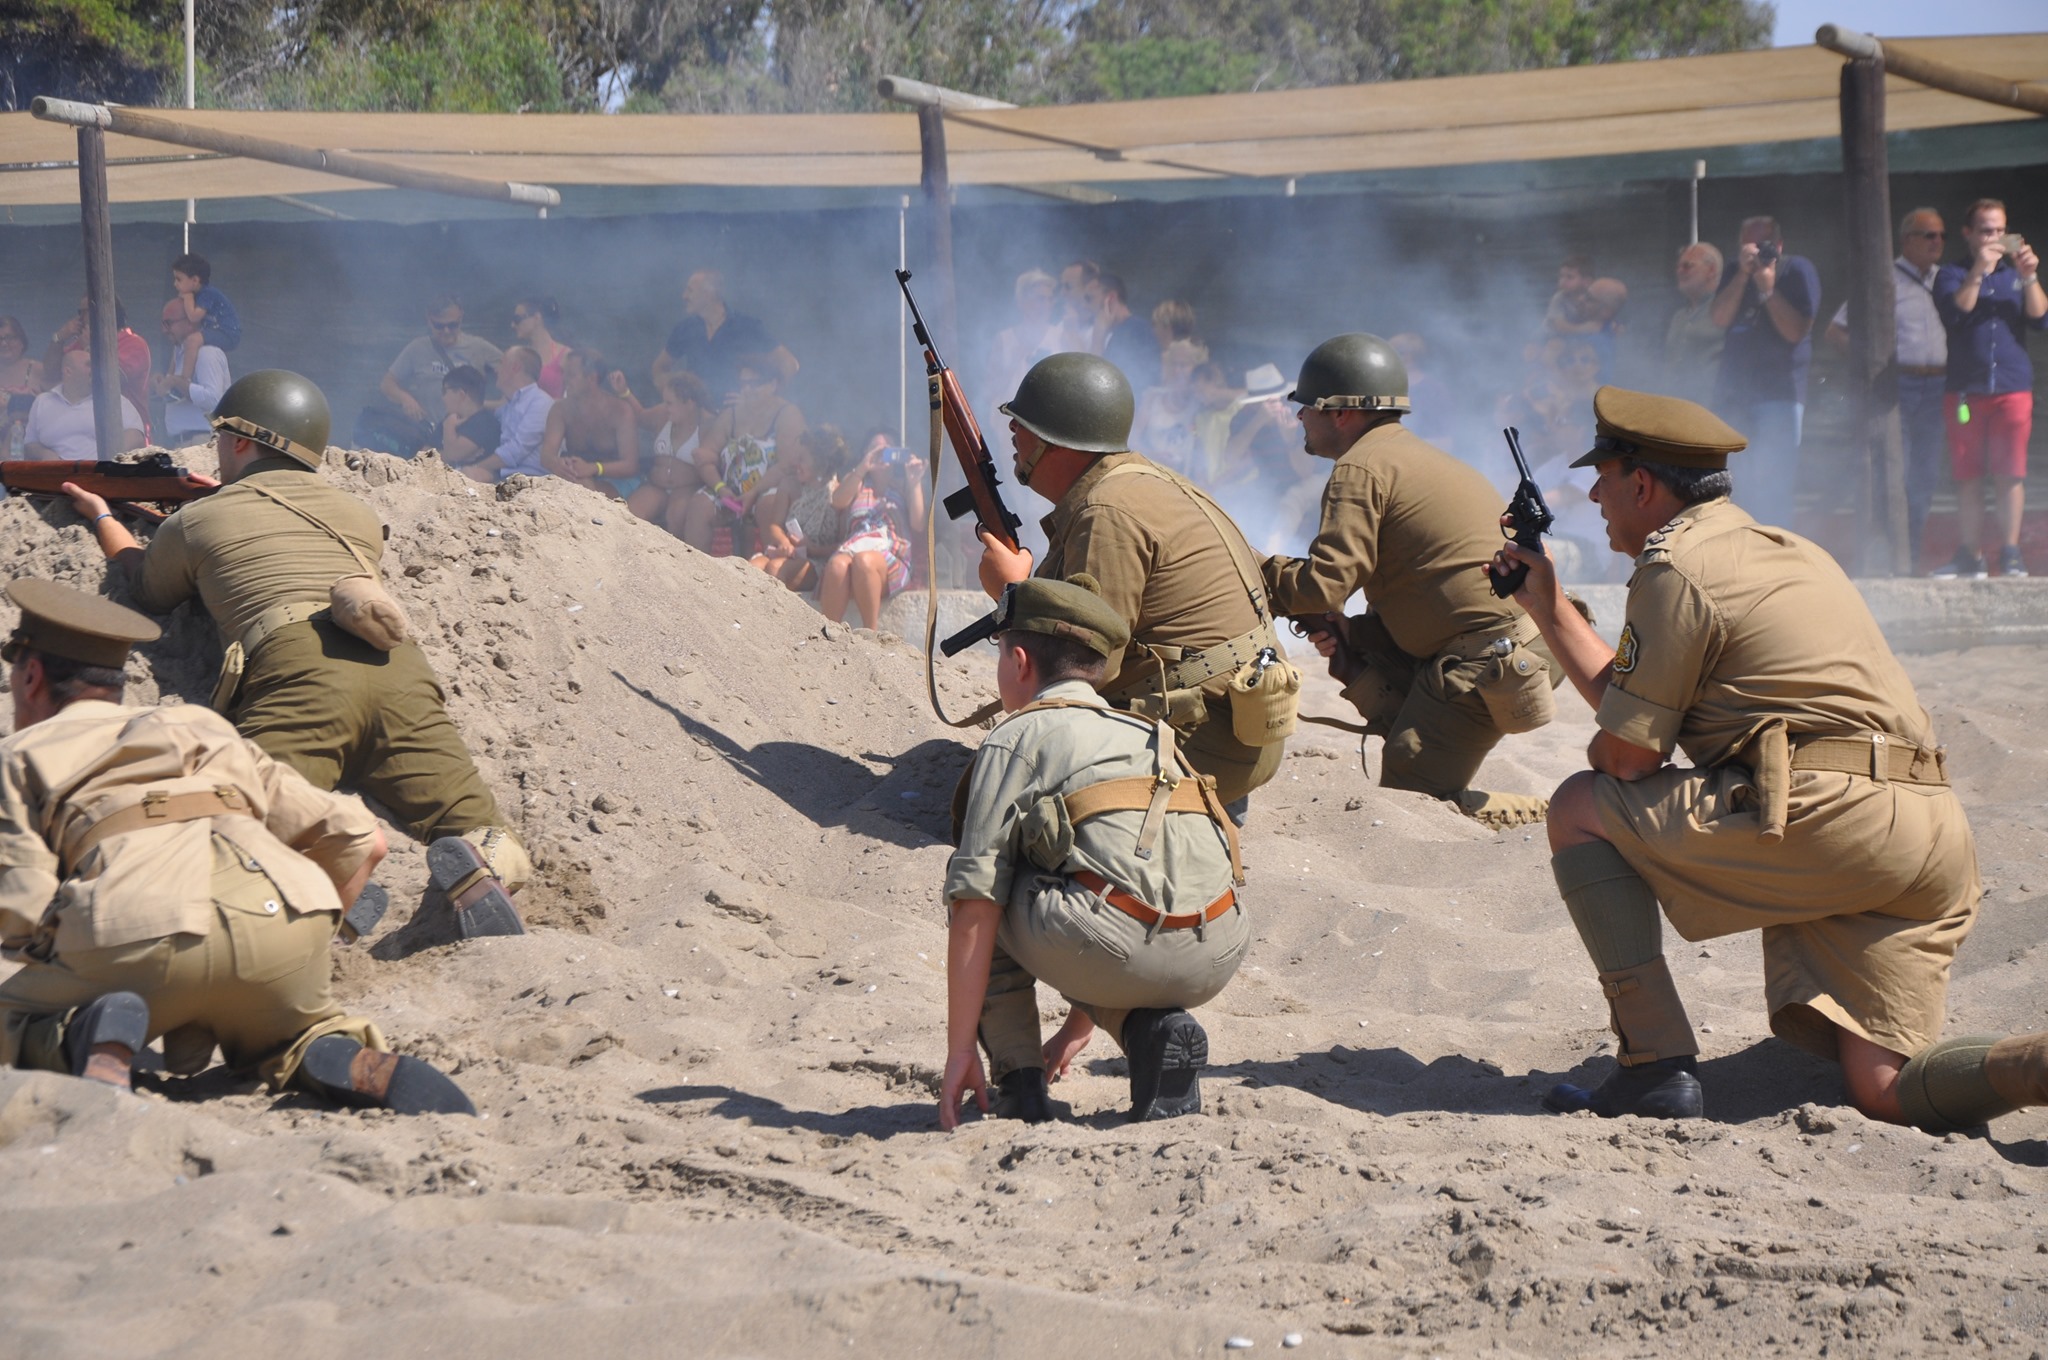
[(1766, 305), (1988, 303)]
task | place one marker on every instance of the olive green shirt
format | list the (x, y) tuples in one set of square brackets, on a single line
[(242, 552), (1037, 757), (1163, 567), (1731, 623), (1410, 526), (94, 759)]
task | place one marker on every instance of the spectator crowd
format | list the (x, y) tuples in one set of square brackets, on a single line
[(718, 451)]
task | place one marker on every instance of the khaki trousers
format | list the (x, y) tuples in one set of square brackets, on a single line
[(342, 713), (1437, 726), (1099, 959), (259, 983)]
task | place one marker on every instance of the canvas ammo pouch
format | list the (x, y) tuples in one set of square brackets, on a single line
[(1514, 682), (358, 601)]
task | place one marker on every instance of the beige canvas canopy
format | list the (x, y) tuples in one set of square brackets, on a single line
[(1681, 104)]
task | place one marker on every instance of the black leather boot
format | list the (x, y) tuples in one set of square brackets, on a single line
[(1665, 1089), (1021, 1095), (1167, 1050)]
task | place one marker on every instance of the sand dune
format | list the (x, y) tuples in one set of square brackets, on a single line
[(708, 1072)]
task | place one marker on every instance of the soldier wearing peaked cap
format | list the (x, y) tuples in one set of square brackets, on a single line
[(1170, 562), (319, 670), (1816, 809), (1091, 857), (1439, 666), (161, 876)]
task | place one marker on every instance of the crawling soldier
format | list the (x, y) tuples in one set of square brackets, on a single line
[(1090, 856)]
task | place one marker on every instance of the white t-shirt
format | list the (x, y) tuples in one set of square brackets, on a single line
[(65, 428), (192, 414)]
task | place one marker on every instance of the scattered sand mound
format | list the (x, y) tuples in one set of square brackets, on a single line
[(708, 1071)]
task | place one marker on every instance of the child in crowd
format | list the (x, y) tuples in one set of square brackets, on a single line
[(468, 432), (205, 307)]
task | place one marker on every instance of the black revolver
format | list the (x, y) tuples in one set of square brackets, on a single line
[(1528, 516)]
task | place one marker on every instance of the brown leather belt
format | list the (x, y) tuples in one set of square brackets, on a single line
[(1923, 370), (157, 808), (1146, 915)]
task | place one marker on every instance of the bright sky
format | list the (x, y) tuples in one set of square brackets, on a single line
[(1797, 19)]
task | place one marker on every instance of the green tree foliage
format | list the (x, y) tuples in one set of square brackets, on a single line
[(130, 51), (805, 55)]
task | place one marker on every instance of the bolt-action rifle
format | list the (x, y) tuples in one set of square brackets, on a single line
[(1529, 518), (136, 488)]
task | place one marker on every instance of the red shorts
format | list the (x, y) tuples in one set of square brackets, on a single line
[(1995, 439)]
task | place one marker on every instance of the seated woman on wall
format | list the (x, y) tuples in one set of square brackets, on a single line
[(797, 512), (880, 498), (735, 453)]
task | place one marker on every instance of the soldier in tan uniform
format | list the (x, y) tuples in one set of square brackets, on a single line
[(1816, 808), (263, 553), (1439, 666), (1092, 858), (1172, 565), (161, 875)]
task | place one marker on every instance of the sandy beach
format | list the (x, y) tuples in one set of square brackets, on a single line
[(707, 1074)]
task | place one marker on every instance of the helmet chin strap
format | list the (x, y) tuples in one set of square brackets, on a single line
[(1027, 463)]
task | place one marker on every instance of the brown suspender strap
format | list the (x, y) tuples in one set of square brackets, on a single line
[(157, 808)]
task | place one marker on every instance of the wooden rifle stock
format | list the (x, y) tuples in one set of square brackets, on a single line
[(154, 478), (963, 432)]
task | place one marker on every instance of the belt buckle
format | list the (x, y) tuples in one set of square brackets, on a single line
[(154, 803)]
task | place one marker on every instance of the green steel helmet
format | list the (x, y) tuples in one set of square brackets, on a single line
[(278, 409), (1077, 401), (1356, 372)]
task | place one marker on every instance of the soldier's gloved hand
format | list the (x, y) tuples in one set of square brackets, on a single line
[(999, 566), (963, 1074)]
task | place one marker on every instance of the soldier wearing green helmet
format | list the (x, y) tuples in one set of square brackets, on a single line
[(1170, 562), (279, 556), (1438, 667)]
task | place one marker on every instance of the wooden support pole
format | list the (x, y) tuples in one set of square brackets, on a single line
[(98, 229), (938, 198), (1873, 333), (155, 127), (1936, 75)]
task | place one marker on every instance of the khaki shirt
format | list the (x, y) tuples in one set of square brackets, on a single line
[(1731, 623), (242, 553), (1410, 526), (1008, 822), (1159, 561), (149, 883)]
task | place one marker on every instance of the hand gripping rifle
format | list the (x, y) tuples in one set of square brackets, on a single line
[(125, 485), (1528, 516)]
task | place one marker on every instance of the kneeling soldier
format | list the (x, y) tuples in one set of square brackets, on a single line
[(1816, 809), (160, 875), (1090, 856)]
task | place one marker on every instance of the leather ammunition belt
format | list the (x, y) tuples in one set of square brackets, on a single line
[(1147, 915), (157, 808), (1877, 755)]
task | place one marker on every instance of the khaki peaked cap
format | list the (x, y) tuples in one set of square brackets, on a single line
[(59, 620), (1073, 608), (1669, 430)]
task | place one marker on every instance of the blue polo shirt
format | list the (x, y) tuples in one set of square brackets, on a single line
[(1987, 345), (1757, 363)]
